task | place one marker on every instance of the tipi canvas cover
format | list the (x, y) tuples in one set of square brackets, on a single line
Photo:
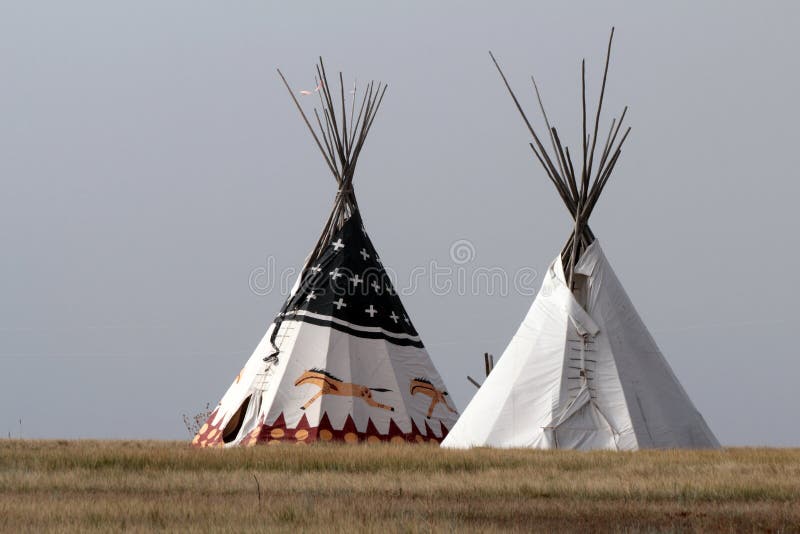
[(342, 360), (582, 371), (582, 377)]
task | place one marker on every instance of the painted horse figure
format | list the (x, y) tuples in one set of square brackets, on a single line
[(331, 385), (424, 386)]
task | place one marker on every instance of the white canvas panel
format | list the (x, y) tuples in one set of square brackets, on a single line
[(630, 398)]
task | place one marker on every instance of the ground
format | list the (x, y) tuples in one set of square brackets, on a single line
[(144, 486)]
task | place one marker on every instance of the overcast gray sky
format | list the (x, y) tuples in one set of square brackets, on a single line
[(151, 160)]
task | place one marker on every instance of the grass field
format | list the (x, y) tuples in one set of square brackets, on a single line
[(94, 485)]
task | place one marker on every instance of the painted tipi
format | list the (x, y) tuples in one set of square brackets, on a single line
[(342, 361), (582, 372)]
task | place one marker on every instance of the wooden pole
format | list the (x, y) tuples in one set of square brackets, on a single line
[(580, 198), (335, 127), (549, 128), (305, 119), (600, 103), (584, 180), (610, 142), (573, 184), (539, 145), (344, 112)]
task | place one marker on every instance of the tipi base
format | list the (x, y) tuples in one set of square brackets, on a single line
[(211, 435)]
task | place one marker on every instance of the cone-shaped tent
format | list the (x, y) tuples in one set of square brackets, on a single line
[(342, 360), (582, 372)]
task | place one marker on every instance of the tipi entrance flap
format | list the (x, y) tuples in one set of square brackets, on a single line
[(236, 422), (582, 426)]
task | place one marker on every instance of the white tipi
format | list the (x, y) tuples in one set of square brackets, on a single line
[(342, 360), (582, 372)]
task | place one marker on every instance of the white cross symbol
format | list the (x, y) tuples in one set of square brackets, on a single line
[(315, 269), (376, 286), (390, 290), (371, 311), (364, 254), (340, 304), (335, 273), (394, 317), (337, 244), (311, 296), (356, 280), (405, 317)]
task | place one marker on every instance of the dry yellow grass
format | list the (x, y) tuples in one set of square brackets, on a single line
[(95, 485)]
